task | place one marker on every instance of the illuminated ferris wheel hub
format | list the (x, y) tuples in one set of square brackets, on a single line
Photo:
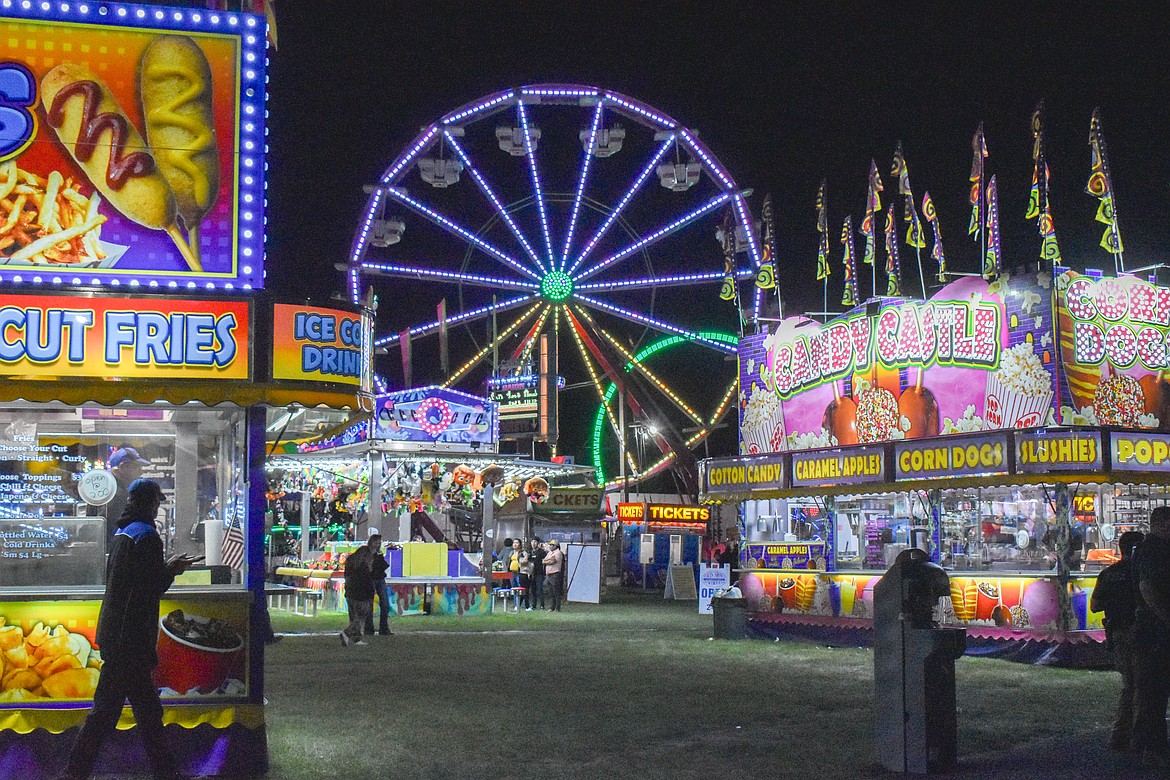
[(556, 287), (606, 263)]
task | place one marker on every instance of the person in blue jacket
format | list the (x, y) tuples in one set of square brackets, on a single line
[(127, 634)]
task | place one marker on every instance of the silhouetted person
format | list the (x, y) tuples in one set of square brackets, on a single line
[(1116, 594), (127, 636), (1152, 641), (378, 567)]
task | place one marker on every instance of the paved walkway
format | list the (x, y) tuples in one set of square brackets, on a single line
[(1071, 757)]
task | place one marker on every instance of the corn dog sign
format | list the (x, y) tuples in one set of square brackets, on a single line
[(59, 337), (131, 147)]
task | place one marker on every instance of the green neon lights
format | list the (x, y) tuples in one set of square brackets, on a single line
[(649, 350), (556, 286)]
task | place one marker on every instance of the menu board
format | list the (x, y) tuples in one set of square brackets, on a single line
[(52, 551)]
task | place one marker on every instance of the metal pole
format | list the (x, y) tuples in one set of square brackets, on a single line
[(485, 564), (622, 438), (306, 522)]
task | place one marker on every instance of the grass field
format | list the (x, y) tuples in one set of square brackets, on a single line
[(632, 687)]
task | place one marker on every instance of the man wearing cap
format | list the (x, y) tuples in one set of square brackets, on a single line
[(127, 634), (126, 465), (378, 567)]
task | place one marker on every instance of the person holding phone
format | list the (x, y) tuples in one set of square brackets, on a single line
[(137, 576)]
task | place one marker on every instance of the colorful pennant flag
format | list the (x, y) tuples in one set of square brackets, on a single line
[(850, 297), (728, 289), (992, 259), (873, 203), (823, 268), (910, 213), (1039, 207), (978, 215), (936, 251), (1101, 186), (893, 261), (766, 276)]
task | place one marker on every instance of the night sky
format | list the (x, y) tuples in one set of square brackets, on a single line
[(784, 94)]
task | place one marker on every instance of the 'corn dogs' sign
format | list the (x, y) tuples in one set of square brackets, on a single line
[(131, 146), (59, 337)]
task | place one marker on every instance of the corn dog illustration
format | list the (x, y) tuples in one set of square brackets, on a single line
[(100, 137), (174, 85)]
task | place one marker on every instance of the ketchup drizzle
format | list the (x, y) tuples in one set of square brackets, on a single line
[(121, 166)]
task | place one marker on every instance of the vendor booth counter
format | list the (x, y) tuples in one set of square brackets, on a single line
[(423, 578), (1011, 427), (823, 525)]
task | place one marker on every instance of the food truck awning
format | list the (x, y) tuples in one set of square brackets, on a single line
[(1089, 456), (210, 393)]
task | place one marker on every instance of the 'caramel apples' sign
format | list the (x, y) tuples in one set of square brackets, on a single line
[(975, 357)]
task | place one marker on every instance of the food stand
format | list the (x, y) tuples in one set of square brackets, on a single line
[(1012, 429), (135, 341), (428, 449)]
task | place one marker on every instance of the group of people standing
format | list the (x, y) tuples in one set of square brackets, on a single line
[(537, 571), (1134, 594), (365, 578)]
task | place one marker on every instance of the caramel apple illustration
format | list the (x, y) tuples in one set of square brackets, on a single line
[(1156, 393), (918, 405), (841, 418)]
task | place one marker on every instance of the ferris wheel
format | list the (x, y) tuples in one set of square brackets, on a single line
[(589, 218)]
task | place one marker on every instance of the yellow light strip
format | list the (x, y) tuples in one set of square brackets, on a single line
[(600, 392), (731, 393), (535, 335), (480, 355), (682, 405)]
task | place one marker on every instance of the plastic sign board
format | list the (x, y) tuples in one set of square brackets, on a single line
[(974, 357), (579, 500), (712, 579), (1039, 453), (434, 415), (720, 476), (52, 337), (132, 146), (854, 466), (1139, 451), (967, 457), (662, 514), (314, 344)]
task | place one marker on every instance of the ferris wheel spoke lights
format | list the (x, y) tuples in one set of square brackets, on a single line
[(553, 251)]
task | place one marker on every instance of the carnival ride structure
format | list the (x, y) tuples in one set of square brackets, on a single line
[(545, 234)]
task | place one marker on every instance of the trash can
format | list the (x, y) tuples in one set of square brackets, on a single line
[(730, 615), (916, 719)]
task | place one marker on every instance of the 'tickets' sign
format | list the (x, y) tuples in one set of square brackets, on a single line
[(1058, 451), (1139, 451), (581, 500), (972, 456), (854, 466), (309, 343), (668, 514), (57, 337)]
